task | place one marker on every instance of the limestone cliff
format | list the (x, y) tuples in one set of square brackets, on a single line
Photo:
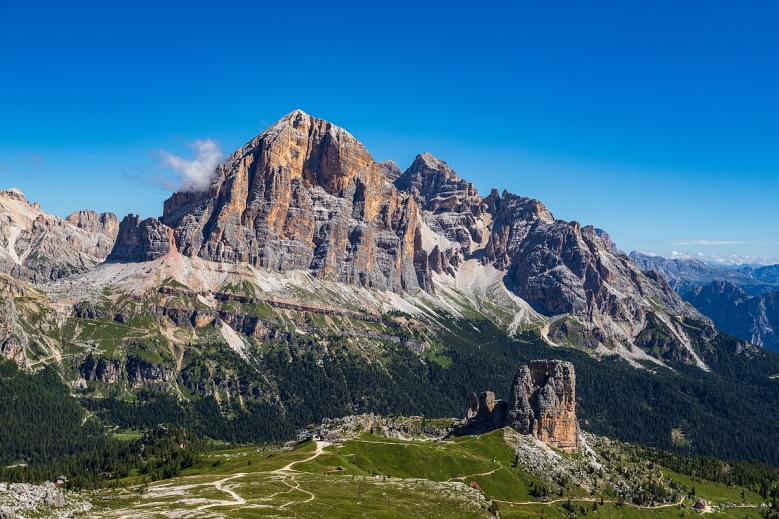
[(542, 403), (104, 223), (141, 240), (304, 194)]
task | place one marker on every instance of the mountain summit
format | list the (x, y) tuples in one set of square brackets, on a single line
[(306, 195)]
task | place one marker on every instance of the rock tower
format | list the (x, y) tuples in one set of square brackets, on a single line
[(542, 403)]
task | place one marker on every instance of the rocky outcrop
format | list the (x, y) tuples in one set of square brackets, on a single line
[(104, 223), (542, 403), (100, 369), (734, 311), (141, 240), (12, 338), (36, 246), (603, 235)]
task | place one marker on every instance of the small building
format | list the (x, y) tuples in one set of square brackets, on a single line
[(331, 437), (61, 480), (702, 506)]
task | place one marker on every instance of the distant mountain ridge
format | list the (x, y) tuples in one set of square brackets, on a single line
[(734, 311), (686, 274)]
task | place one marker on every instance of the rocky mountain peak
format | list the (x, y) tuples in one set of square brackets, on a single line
[(436, 186), (306, 195), (37, 246), (315, 150), (15, 194)]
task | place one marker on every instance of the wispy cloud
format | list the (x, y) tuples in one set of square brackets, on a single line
[(193, 174), (3, 169), (705, 242), (727, 260)]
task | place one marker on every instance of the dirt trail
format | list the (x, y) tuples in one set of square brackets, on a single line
[(319, 451), (236, 499), (588, 499), (482, 474)]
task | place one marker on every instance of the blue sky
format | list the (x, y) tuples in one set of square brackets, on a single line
[(657, 121)]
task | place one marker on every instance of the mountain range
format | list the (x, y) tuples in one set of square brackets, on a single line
[(310, 281), (687, 274), (741, 302)]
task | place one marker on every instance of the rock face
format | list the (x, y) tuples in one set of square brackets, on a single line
[(767, 274), (734, 311), (603, 235), (305, 194), (141, 240), (12, 339), (36, 246), (104, 223), (542, 403)]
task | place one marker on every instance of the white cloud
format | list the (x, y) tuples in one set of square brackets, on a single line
[(705, 242), (731, 260), (195, 174)]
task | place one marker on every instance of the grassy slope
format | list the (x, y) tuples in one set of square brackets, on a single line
[(382, 477)]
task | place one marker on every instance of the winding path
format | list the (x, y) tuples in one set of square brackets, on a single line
[(319, 451), (588, 499), (236, 499)]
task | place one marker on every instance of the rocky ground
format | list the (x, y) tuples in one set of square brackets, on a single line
[(22, 501)]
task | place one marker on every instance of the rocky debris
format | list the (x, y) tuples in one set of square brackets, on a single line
[(36, 246), (399, 427), (141, 240), (105, 223), (600, 463), (734, 311), (25, 500), (542, 404)]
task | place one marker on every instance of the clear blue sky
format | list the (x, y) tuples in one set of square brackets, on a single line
[(657, 121)]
